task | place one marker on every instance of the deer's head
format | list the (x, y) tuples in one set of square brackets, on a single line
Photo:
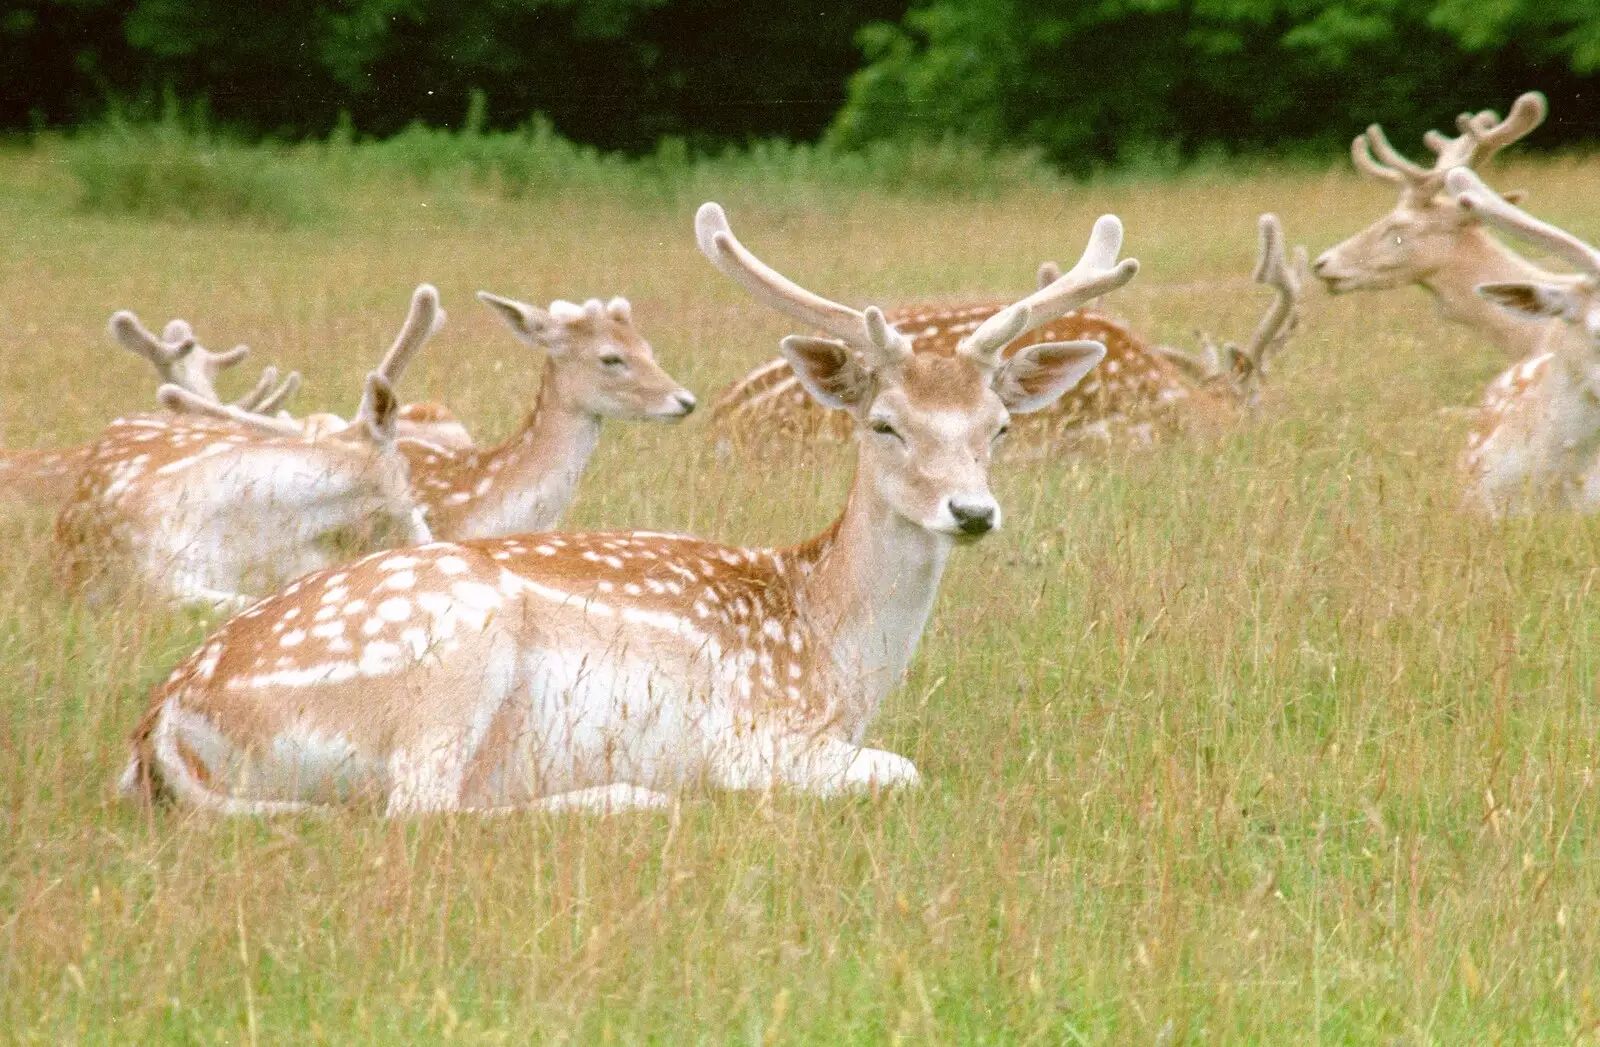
[(926, 423), (1424, 233), (599, 362)]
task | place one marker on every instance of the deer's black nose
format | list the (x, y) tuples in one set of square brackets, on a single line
[(973, 517)]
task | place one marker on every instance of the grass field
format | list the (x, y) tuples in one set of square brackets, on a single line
[(1257, 740)]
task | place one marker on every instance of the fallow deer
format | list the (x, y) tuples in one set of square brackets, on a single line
[(560, 670), (1537, 441), (46, 476), (1139, 389), (199, 510), (597, 366), (1428, 241)]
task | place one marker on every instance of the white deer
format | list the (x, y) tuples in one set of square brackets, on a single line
[(599, 670), (215, 506), (1537, 441), (1428, 241), (597, 366), (46, 475)]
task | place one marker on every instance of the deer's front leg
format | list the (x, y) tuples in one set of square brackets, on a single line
[(826, 766)]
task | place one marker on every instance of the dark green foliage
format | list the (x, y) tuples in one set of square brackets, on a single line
[(618, 74), (1104, 81), (1082, 83)]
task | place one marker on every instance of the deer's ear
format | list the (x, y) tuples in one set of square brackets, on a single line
[(1037, 376), (380, 408), (1532, 299), (528, 322), (833, 374)]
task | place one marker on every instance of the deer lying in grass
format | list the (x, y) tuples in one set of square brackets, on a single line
[(1537, 441), (1139, 388), (1428, 241), (210, 507), (560, 670), (597, 366), (46, 476)]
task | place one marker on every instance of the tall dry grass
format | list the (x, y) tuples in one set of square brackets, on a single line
[(1255, 740)]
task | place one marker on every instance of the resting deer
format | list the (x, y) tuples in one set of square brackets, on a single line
[(1537, 441), (1428, 241), (559, 670), (46, 476), (597, 366), (210, 507), (1139, 386)]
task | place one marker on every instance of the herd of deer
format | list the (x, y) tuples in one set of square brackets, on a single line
[(442, 649)]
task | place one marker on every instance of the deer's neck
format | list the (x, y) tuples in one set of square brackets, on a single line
[(1480, 258), (1567, 430), (527, 482), (868, 584)]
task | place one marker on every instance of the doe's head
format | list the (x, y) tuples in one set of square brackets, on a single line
[(927, 423), (599, 361)]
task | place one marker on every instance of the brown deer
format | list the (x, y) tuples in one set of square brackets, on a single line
[(1428, 241), (209, 507), (1139, 389), (597, 366), (1537, 441), (46, 476), (599, 670)]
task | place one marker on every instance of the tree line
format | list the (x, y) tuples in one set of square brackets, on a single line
[(1085, 82)]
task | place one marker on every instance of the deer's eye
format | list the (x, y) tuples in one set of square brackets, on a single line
[(612, 360), (1002, 431), (884, 428)]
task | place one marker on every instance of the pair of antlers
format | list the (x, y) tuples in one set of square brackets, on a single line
[(182, 361), (1471, 194), (1243, 367), (423, 320), (867, 332), (1482, 135)]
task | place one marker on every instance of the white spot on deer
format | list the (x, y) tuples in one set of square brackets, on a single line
[(417, 640), (476, 595), (294, 638), (355, 607), (208, 662), (400, 580), (325, 612), (328, 630), (380, 658), (395, 609), (336, 594), (614, 563), (373, 626), (451, 565), (459, 498), (632, 589), (291, 614)]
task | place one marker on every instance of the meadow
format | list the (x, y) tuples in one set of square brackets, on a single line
[(1253, 739)]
